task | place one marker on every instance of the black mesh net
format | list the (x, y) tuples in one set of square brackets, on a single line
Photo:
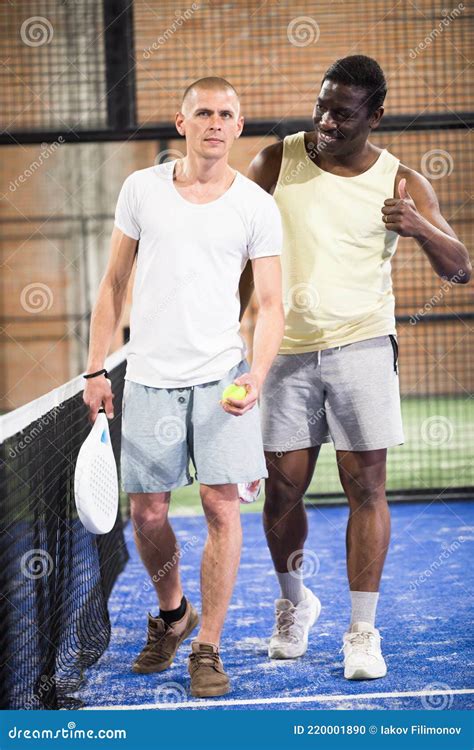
[(275, 53), (56, 577), (53, 66)]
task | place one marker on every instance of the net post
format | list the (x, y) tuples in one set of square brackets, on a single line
[(119, 64)]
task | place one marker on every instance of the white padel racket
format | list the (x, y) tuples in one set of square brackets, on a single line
[(96, 480)]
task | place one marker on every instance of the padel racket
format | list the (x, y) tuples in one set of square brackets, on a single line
[(96, 480)]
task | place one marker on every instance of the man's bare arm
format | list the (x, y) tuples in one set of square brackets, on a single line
[(106, 316), (268, 331), (264, 170), (270, 323), (265, 167), (416, 213)]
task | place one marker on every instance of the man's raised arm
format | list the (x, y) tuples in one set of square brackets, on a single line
[(416, 213)]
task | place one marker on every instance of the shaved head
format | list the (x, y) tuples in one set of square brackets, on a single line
[(210, 118), (211, 83)]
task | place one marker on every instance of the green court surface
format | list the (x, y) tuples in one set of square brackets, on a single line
[(439, 434)]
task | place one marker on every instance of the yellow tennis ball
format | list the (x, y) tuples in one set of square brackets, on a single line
[(235, 392)]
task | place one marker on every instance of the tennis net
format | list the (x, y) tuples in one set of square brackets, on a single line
[(56, 577)]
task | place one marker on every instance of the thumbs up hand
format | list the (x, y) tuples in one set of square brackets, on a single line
[(400, 214), (402, 190)]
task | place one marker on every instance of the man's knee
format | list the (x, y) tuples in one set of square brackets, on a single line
[(363, 477), (282, 487), (365, 492), (282, 495), (221, 506), (149, 510)]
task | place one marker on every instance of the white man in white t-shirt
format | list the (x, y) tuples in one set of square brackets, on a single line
[(191, 226)]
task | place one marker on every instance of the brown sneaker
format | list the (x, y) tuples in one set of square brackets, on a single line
[(163, 641), (208, 678)]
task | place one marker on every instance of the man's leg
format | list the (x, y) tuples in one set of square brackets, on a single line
[(221, 557), (284, 514), (159, 551), (226, 450), (286, 528), (157, 545), (362, 475), (219, 567)]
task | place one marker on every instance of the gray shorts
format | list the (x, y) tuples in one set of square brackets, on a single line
[(348, 394), (164, 428)]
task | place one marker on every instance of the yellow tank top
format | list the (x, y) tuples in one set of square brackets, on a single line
[(337, 285)]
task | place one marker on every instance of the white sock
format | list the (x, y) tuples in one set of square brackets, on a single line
[(364, 606), (291, 585)]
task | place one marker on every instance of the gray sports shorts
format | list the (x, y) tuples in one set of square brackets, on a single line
[(348, 394), (163, 429)]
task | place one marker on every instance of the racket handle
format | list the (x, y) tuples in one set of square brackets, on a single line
[(101, 410)]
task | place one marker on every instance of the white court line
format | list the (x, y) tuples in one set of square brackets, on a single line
[(270, 700)]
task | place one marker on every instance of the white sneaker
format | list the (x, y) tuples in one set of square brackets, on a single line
[(249, 491), (363, 658), (289, 639)]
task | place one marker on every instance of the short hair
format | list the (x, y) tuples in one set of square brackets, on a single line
[(362, 71), (214, 83)]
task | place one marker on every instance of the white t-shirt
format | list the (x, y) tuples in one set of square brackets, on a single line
[(184, 322)]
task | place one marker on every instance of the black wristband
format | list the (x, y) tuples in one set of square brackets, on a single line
[(95, 374)]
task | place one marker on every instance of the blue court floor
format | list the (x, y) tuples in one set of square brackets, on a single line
[(424, 615)]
